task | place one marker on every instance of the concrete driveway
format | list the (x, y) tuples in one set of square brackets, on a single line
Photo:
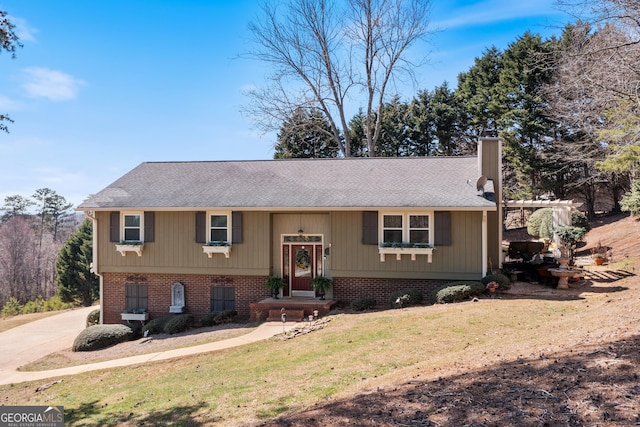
[(32, 341)]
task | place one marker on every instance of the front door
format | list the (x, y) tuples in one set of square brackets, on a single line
[(302, 264), (301, 261)]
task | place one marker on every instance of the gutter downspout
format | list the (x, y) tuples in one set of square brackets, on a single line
[(485, 243), (94, 257)]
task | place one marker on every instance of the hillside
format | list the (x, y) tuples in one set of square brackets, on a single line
[(577, 378)]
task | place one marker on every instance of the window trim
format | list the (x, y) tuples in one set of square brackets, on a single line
[(125, 246), (218, 247), (405, 247), (124, 214)]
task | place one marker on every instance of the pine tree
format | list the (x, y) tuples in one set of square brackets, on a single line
[(75, 280)]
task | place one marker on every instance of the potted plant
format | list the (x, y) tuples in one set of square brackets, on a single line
[(598, 258), (321, 284), (274, 284)]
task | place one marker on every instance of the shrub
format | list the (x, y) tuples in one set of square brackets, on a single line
[(540, 223), (12, 307), (36, 306), (578, 219), (457, 291), (503, 281), (93, 318), (212, 319), (155, 326), (362, 304), (407, 297), (97, 337), (178, 324)]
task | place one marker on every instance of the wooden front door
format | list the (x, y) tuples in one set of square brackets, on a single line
[(301, 263), (302, 267)]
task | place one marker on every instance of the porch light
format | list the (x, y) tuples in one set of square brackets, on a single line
[(300, 232)]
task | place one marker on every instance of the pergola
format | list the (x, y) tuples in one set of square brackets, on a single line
[(561, 208)]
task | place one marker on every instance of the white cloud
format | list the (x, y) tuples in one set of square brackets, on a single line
[(24, 31), (489, 11), (51, 84), (8, 104)]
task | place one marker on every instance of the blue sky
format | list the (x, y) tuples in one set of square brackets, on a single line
[(101, 86)]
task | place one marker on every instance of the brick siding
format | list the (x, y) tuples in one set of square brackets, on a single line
[(248, 289)]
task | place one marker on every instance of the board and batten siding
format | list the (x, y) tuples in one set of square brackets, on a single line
[(290, 223), (462, 260), (174, 249)]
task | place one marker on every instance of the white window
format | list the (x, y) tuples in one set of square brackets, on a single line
[(132, 226), (407, 229), (219, 227), (419, 229)]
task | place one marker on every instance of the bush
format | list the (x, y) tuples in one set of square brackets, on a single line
[(97, 337), (406, 297), (457, 291), (11, 307), (36, 306), (578, 219), (540, 223), (504, 283), (178, 324), (155, 326), (362, 304), (93, 318), (212, 319)]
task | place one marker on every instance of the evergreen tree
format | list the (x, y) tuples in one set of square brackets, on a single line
[(477, 92), (307, 134), (75, 280), (526, 128), (393, 140), (421, 119)]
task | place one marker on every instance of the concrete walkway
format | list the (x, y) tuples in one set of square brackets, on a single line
[(32, 341)]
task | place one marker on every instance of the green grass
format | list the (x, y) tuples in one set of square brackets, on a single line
[(243, 385)]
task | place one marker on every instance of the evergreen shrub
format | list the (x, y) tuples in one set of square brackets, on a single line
[(504, 283), (97, 337), (155, 326), (93, 318), (178, 324), (363, 303), (457, 291), (213, 319), (407, 297)]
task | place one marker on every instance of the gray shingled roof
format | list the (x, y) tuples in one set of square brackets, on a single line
[(429, 182)]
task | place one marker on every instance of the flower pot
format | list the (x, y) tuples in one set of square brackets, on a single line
[(599, 261)]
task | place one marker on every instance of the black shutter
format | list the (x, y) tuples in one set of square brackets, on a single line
[(114, 226), (201, 225), (370, 227), (236, 227), (149, 218), (442, 228)]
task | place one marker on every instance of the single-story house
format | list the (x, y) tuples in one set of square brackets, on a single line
[(204, 236)]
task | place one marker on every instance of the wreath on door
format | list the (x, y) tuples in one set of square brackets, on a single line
[(302, 259)]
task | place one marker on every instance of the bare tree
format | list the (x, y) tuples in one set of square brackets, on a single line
[(323, 51), (18, 250), (600, 68), (9, 41)]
